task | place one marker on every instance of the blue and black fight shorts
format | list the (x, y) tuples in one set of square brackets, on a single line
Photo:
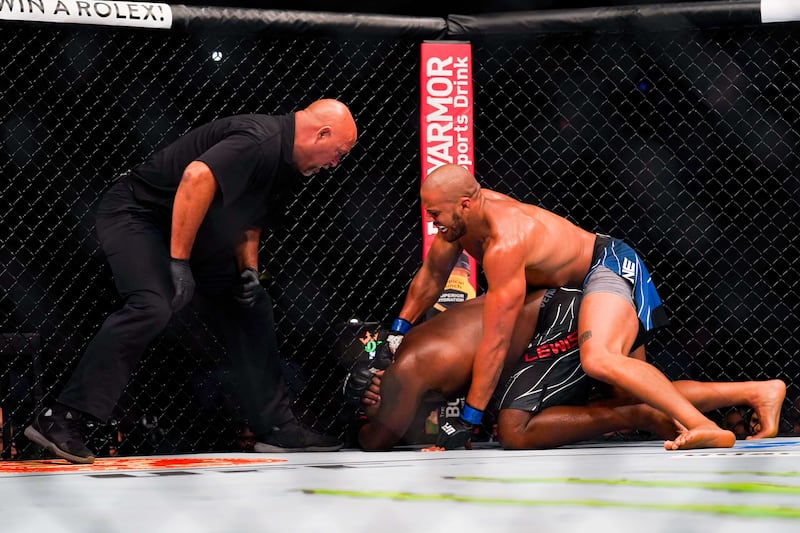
[(549, 373), (616, 268)]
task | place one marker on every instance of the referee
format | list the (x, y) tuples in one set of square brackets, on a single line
[(188, 220)]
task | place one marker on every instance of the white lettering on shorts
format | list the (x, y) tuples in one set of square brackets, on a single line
[(628, 269)]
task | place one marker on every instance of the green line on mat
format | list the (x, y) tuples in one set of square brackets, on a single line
[(736, 473), (748, 487), (752, 511)]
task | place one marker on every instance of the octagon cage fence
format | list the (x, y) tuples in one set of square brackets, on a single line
[(676, 128)]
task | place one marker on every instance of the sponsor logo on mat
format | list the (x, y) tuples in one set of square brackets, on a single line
[(130, 464)]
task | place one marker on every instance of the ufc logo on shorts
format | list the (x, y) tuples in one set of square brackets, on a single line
[(448, 428), (628, 269)]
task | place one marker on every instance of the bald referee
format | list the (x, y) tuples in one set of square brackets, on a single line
[(188, 220)]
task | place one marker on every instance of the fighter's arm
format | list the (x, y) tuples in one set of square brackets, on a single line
[(505, 274), (192, 199), (430, 279), (399, 398)]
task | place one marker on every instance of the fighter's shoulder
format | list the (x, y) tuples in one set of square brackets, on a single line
[(515, 211)]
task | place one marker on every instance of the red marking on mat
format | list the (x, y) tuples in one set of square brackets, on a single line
[(128, 464)]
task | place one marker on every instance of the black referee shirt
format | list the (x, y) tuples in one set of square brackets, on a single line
[(249, 155)]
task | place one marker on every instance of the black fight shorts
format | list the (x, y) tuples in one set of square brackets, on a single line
[(549, 372)]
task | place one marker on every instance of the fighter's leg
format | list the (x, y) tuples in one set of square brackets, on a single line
[(566, 424), (607, 327), (764, 397), (560, 425)]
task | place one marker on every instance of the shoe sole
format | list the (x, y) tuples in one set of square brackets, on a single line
[(41, 440), (261, 447)]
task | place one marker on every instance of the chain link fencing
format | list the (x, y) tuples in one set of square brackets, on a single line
[(684, 143)]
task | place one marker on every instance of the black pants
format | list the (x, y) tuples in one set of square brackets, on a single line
[(135, 239)]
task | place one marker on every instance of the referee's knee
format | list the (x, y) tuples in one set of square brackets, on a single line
[(152, 310)]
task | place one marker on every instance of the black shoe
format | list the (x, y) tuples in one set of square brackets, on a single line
[(59, 431), (293, 437)]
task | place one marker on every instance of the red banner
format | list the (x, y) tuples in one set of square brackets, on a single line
[(445, 117)]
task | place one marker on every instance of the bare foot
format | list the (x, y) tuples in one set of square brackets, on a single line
[(767, 406), (708, 437), (432, 449)]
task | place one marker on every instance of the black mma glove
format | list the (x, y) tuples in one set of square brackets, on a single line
[(248, 288), (357, 382), (183, 281), (459, 433), (380, 356), (455, 434)]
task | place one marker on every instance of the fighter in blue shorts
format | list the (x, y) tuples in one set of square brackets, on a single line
[(522, 247)]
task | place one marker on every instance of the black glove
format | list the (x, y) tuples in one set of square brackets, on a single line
[(379, 355), (356, 383), (183, 281), (248, 288), (455, 434)]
